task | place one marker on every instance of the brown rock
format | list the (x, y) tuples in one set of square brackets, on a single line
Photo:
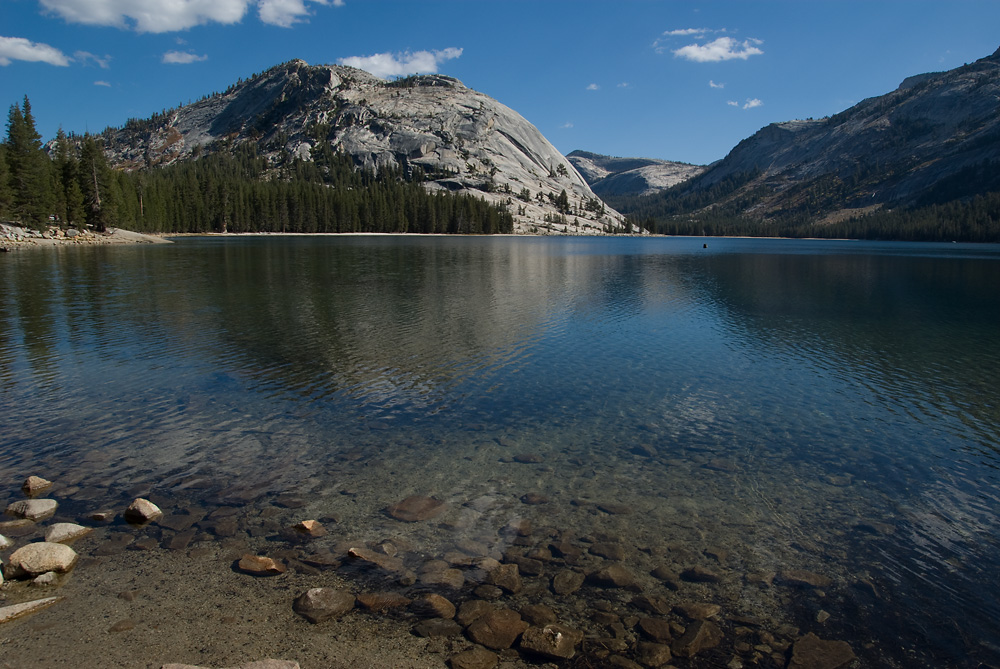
[(39, 557), (528, 458), (697, 611), (608, 550), (553, 641), (474, 658), (432, 605), (14, 611), (614, 509), (34, 485), (383, 601), (381, 560), (449, 578), (122, 626), (539, 615), (519, 526), (471, 610), (437, 627), (565, 550), (567, 582), (310, 528), (534, 498), (416, 508), (497, 629), (527, 566), (615, 576), (652, 604), (33, 509), (804, 579), (653, 654), (698, 637), (506, 576), (656, 629), (260, 565), (811, 652), (319, 604)]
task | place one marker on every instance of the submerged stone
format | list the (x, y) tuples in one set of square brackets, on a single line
[(416, 508), (34, 485), (8, 613), (553, 641), (319, 604), (811, 652), (698, 637), (142, 511), (497, 629), (33, 509), (261, 565), (474, 658), (64, 533)]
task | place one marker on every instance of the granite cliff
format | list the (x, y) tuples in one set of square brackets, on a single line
[(429, 126), (609, 176)]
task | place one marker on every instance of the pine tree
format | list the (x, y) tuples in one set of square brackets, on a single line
[(30, 168), (94, 184)]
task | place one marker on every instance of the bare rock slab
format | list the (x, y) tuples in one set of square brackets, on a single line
[(416, 508), (319, 604), (33, 509), (141, 510), (811, 652), (15, 611), (39, 557)]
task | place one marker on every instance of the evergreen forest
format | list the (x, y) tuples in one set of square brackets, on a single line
[(232, 189)]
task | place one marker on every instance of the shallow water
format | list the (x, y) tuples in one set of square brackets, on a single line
[(828, 406)]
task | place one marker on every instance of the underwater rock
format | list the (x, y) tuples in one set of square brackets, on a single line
[(653, 654), (804, 579), (614, 509), (539, 615), (656, 629), (474, 658), (615, 576), (310, 528), (416, 508), (528, 458), (471, 610), (497, 629), (699, 574), (554, 641), (534, 498), (697, 611), (567, 582), (608, 550), (142, 511), (261, 565), (432, 605), (319, 604), (506, 576), (34, 485), (381, 560), (33, 509), (698, 637), (382, 601), (811, 652), (5, 543), (437, 627)]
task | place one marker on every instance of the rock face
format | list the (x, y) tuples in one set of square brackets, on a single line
[(630, 176), (924, 142), (463, 140)]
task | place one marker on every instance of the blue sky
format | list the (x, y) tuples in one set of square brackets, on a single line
[(666, 79)]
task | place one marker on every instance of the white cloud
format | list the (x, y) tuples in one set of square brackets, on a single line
[(181, 58), (715, 85), (732, 103), (624, 84), (102, 83), (683, 32), (19, 48), (85, 57), (160, 16), (751, 103), (593, 87), (722, 48), (567, 125), (402, 64)]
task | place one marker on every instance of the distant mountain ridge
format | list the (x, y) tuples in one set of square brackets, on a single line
[(609, 175), (431, 127), (932, 141)]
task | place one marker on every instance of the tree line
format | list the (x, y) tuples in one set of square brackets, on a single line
[(227, 189)]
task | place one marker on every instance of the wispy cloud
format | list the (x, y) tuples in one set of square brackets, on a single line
[(687, 32), (732, 103), (102, 83), (402, 64), (712, 84), (160, 16), (103, 62), (719, 49), (593, 87), (19, 48), (567, 125), (182, 58), (753, 102), (624, 84)]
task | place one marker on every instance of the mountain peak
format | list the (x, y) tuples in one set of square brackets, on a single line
[(460, 140)]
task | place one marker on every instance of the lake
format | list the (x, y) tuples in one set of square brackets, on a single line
[(805, 433)]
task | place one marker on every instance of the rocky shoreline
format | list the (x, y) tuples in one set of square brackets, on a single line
[(14, 237), (516, 595)]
